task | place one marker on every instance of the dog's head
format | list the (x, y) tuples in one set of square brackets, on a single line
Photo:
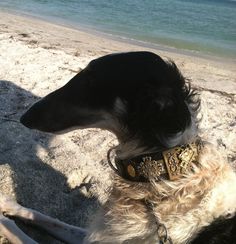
[(131, 94)]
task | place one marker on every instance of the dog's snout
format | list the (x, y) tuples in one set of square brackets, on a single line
[(26, 121), (33, 117), (48, 115)]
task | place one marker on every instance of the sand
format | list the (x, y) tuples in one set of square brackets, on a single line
[(66, 176)]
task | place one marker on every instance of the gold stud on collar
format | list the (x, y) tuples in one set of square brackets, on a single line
[(131, 170)]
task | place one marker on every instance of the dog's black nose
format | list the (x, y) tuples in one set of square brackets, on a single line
[(26, 121), (33, 116), (40, 116)]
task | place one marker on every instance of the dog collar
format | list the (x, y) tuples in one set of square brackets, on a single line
[(170, 164)]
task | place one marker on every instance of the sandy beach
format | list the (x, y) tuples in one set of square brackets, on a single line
[(67, 176)]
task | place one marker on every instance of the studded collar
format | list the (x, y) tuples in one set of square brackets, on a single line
[(170, 164)]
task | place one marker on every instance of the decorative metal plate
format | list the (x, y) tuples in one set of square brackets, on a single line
[(178, 160)]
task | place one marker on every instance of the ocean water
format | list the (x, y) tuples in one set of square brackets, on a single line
[(203, 26)]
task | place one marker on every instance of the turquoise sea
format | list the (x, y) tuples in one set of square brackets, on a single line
[(203, 26)]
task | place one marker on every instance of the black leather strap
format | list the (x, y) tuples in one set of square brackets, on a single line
[(169, 164), (143, 167)]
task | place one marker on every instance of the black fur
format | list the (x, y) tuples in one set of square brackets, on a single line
[(221, 231), (154, 93)]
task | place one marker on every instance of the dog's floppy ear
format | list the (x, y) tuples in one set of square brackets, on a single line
[(162, 110), (161, 107), (162, 99)]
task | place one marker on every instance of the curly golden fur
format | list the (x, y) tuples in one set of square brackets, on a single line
[(184, 206)]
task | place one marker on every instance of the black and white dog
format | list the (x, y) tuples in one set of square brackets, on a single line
[(169, 185)]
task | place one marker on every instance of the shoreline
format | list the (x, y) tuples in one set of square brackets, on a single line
[(204, 72), (125, 40)]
